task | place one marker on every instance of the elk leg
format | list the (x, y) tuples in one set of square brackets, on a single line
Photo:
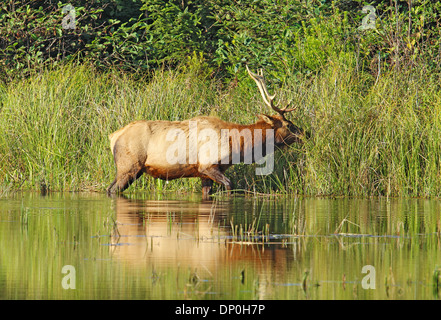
[(124, 178), (216, 175), (206, 188), (110, 187)]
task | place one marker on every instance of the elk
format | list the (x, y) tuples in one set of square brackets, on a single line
[(174, 149)]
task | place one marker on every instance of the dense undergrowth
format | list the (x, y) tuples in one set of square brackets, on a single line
[(370, 136), (370, 98)]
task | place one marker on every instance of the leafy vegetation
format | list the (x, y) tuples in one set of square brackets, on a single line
[(370, 97), (284, 36)]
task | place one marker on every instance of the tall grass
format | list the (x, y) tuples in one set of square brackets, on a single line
[(55, 126), (374, 137), (371, 134)]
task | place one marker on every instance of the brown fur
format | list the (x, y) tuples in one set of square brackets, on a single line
[(140, 147), (143, 146)]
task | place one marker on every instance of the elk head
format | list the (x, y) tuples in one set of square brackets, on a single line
[(285, 132)]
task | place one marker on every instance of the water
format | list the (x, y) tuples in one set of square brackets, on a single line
[(179, 247)]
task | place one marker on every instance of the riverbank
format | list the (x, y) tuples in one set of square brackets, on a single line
[(371, 134)]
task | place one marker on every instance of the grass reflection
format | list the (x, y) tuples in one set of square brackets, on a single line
[(143, 247)]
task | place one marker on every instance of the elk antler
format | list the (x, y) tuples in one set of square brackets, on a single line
[(267, 98)]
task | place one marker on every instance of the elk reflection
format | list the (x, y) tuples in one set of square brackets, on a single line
[(164, 234), (169, 231)]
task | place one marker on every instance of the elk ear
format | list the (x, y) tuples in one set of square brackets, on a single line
[(266, 118)]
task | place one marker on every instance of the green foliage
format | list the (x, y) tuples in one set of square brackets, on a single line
[(370, 97), (174, 29), (54, 126), (369, 137), (406, 34), (284, 36)]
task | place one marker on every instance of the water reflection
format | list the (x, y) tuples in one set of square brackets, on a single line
[(241, 248), (170, 232), (302, 248), (196, 236)]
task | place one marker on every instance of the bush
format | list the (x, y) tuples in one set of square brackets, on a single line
[(284, 37)]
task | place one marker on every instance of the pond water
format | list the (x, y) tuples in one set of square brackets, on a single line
[(90, 246)]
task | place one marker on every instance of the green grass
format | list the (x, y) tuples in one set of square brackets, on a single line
[(371, 136), (380, 139)]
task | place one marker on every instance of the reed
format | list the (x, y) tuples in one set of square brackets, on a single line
[(371, 135)]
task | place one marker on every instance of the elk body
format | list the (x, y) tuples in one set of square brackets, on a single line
[(203, 147)]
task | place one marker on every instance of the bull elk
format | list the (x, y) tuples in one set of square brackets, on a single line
[(184, 149)]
